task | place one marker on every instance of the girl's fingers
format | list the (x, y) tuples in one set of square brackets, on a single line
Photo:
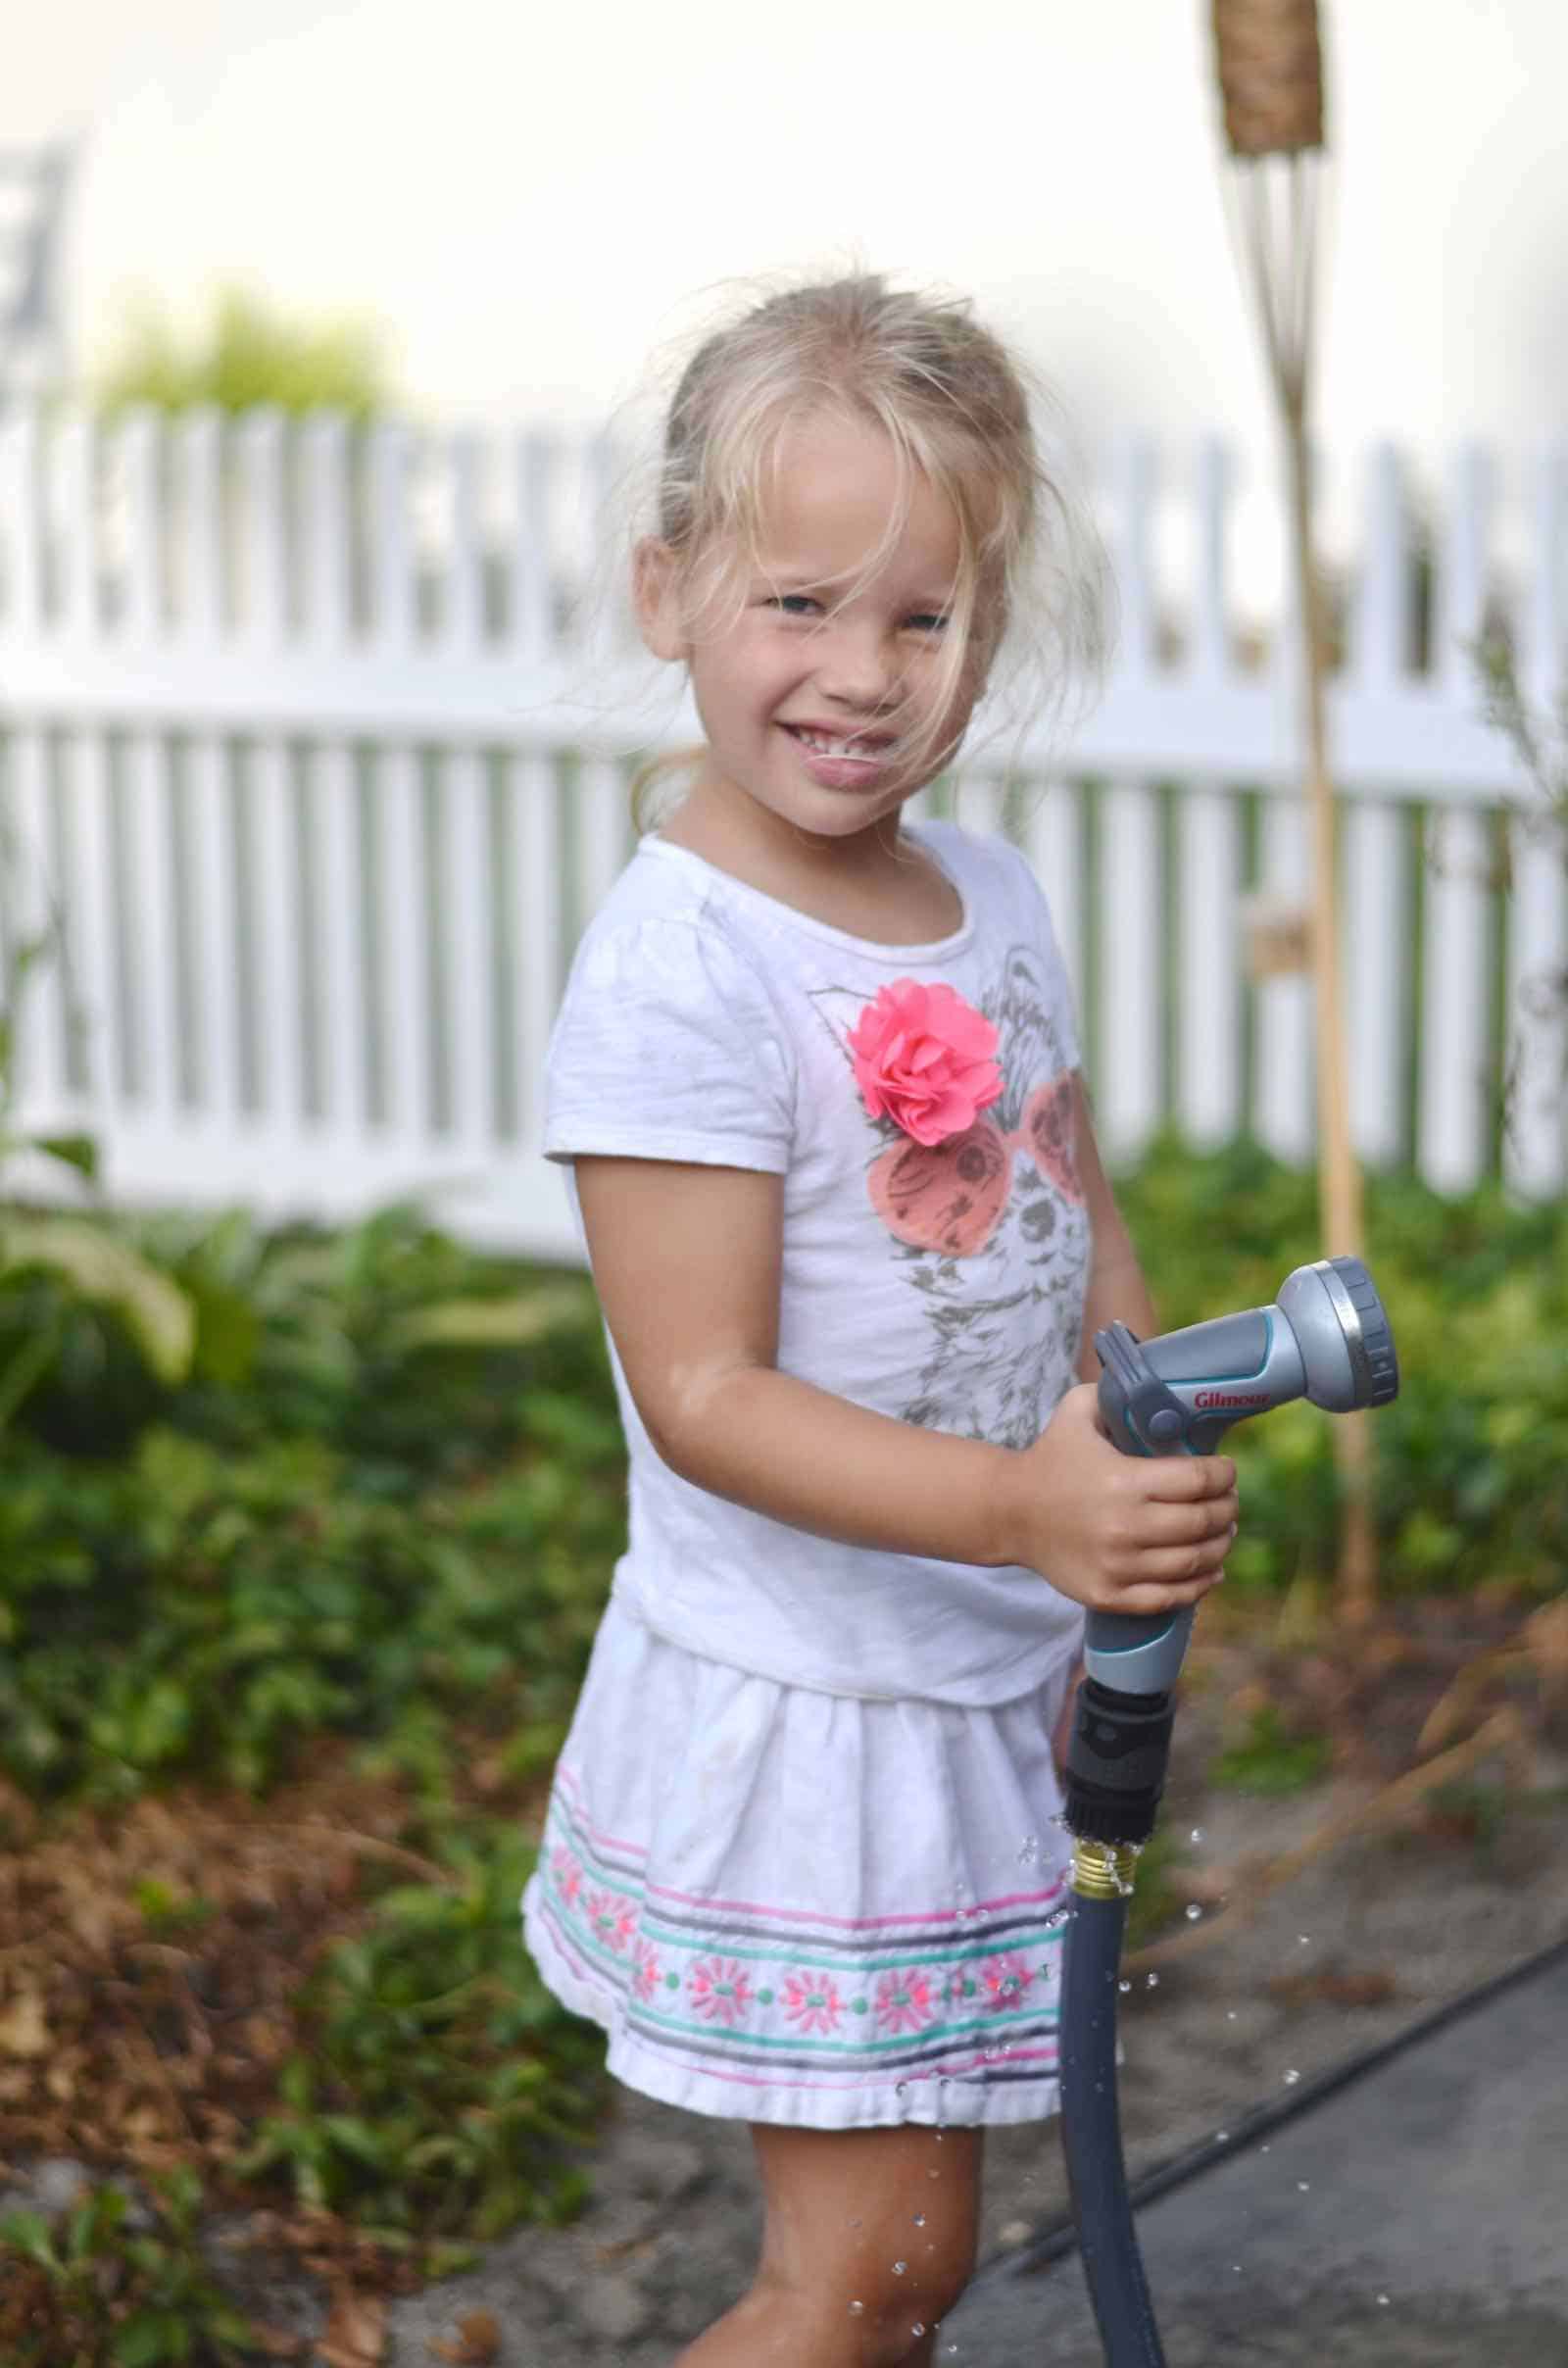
[(1144, 1599), (1181, 1565), (1186, 1479), (1188, 1524)]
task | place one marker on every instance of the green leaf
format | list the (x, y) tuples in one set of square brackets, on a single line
[(29, 2233), (79, 1151), (157, 1313)]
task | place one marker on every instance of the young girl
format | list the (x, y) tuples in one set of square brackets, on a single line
[(817, 1081)]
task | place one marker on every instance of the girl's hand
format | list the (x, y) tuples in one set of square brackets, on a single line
[(1120, 1533)]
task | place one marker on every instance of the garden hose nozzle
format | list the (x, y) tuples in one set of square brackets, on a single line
[(1326, 1338)]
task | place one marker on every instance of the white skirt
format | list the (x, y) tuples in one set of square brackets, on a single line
[(792, 1906)]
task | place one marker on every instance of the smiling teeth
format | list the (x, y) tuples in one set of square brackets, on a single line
[(836, 748)]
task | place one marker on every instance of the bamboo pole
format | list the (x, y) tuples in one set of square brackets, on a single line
[(1269, 63)]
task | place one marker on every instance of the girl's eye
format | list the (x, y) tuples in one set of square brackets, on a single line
[(928, 622), (793, 604)]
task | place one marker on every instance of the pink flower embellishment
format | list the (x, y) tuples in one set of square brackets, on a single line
[(646, 1970), (1004, 1982), (613, 1920), (567, 1873), (925, 1059), (720, 1992), (905, 2001), (813, 2003)]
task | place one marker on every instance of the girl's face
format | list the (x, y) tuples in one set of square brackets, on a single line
[(810, 699)]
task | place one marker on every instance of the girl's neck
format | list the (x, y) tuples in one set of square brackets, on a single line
[(879, 884)]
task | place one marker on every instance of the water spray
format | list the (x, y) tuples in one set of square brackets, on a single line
[(1326, 1339)]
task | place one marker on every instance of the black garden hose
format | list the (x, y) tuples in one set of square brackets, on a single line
[(1090, 2125)]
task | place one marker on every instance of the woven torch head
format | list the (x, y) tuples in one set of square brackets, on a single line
[(1270, 75)]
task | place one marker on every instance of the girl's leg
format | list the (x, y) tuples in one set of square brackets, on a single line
[(869, 2237)]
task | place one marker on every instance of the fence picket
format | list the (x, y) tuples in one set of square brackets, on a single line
[(464, 616), (210, 814), (1052, 839), (198, 452), (147, 920), (328, 547), (1126, 1064), (176, 597), (90, 981), (1453, 1055), (266, 562), (77, 457), (1535, 1140), (536, 918), (1211, 660), (139, 454), (21, 518), (405, 1034), (467, 879), (338, 930), (276, 1010), (1373, 949), (531, 606), (1379, 622), (393, 598), (1209, 1046), (1283, 1050), (30, 907)]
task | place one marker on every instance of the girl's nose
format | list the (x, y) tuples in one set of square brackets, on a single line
[(856, 664)]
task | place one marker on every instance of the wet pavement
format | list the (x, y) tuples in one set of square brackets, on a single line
[(1412, 2212)]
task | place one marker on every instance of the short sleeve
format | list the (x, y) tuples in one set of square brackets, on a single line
[(668, 1047)]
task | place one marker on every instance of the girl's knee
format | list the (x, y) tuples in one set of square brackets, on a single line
[(874, 2230)]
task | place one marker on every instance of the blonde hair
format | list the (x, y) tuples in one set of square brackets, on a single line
[(955, 407)]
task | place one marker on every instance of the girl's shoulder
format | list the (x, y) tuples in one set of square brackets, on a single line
[(993, 875)]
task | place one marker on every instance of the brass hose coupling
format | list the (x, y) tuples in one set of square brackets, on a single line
[(1102, 1870)]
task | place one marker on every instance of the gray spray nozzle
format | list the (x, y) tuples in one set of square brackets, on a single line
[(1325, 1338)]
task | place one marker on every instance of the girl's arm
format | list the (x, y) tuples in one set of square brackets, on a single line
[(687, 1263), (1118, 1292)]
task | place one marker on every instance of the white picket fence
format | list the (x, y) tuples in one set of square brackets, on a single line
[(309, 780)]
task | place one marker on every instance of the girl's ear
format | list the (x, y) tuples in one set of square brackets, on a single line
[(654, 590)]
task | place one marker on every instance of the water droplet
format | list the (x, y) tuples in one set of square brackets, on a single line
[(1194, 1912), (1231, 2015), (1383, 2299), (934, 2174), (1029, 1849), (1124, 1987), (1220, 2137), (920, 2219), (1305, 1939), (1305, 2186), (899, 2268), (918, 2328), (1197, 1833), (1263, 2150), (856, 2309), (1236, 2265), (1291, 2079), (1153, 1981)]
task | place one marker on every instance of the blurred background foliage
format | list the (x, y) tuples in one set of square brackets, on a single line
[(387, 1493), (247, 353)]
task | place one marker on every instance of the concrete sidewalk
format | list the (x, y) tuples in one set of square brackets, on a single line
[(1411, 2213)]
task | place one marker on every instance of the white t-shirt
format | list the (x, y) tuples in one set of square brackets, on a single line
[(706, 1021)]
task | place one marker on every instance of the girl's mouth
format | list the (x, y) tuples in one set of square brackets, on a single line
[(839, 763)]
